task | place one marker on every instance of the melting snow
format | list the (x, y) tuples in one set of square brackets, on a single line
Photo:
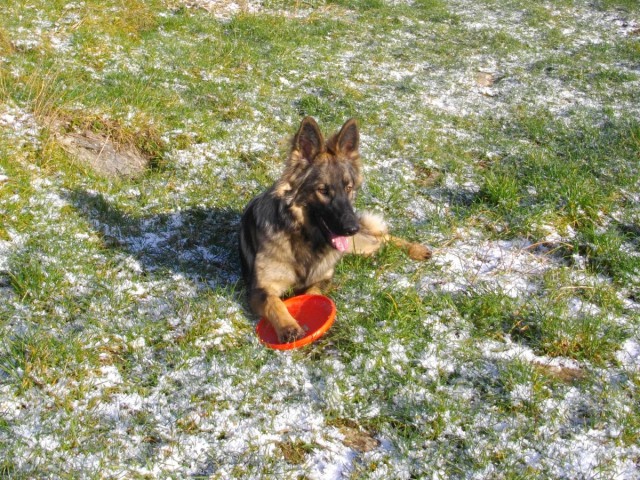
[(506, 266), (629, 354)]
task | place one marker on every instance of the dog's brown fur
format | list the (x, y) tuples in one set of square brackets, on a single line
[(293, 234)]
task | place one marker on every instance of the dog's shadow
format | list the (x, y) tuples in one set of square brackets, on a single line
[(200, 243)]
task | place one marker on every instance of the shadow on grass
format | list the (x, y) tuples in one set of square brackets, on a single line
[(198, 242)]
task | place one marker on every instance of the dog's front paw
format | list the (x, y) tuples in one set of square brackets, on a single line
[(290, 333), (419, 252)]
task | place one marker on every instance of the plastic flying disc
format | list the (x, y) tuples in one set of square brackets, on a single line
[(314, 313)]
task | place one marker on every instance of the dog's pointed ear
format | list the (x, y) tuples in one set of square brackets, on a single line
[(306, 145), (308, 141), (347, 140)]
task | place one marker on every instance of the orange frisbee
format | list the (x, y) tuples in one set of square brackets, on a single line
[(314, 313)]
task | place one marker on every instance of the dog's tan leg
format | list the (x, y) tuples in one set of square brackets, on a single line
[(316, 289), (287, 328), (273, 309)]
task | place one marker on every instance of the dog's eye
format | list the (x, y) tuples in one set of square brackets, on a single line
[(348, 188), (323, 190)]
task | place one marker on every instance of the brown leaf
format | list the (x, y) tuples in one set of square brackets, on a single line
[(563, 374), (358, 439)]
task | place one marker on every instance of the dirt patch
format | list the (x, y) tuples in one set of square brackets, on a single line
[(107, 147), (103, 155)]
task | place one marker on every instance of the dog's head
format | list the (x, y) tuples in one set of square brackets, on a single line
[(321, 180)]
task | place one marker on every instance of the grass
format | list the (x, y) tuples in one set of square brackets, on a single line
[(504, 134)]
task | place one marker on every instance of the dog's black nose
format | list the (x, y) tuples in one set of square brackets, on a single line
[(351, 229)]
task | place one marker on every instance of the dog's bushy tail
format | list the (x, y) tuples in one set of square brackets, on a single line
[(371, 235), (374, 233)]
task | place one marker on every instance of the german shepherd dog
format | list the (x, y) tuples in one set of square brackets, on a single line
[(292, 235)]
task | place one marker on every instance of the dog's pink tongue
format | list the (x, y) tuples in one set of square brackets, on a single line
[(340, 243)]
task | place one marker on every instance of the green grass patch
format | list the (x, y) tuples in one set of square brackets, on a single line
[(503, 134)]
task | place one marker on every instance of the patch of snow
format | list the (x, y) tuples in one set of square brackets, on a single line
[(509, 267), (509, 350), (19, 125), (6, 248), (580, 308), (629, 354)]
